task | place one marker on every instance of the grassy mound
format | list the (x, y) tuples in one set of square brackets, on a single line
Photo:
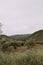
[(37, 37)]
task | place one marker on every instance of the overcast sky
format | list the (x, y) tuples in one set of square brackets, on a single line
[(21, 16)]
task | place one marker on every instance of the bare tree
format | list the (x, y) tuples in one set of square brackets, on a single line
[(0, 29)]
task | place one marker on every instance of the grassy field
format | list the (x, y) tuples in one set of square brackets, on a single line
[(28, 57)]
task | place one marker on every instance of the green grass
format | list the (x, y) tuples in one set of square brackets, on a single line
[(29, 57)]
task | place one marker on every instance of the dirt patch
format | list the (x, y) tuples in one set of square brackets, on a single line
[(38, 46), (21, 49)]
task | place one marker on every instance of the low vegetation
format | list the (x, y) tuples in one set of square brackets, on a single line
[(27, 51), (29, 57)]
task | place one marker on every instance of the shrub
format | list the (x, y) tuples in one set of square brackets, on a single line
[(14, 45), (30, 43), (5, 46)]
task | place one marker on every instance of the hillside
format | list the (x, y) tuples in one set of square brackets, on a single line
[(5, 37), (22, 39), (37, 36)]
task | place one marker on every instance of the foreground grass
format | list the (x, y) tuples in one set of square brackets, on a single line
[(29, 57)]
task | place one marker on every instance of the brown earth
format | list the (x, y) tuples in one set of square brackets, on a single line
[(21, 49)]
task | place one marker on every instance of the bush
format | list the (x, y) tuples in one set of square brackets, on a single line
[(19, 43), (30, 43), (5, 45), (14, 45)]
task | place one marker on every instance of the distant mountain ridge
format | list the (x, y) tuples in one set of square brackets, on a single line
[(20, 37)]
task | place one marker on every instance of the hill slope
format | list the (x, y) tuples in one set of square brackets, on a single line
[(37, 36)]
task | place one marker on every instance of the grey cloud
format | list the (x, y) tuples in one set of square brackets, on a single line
[(21, 16)]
